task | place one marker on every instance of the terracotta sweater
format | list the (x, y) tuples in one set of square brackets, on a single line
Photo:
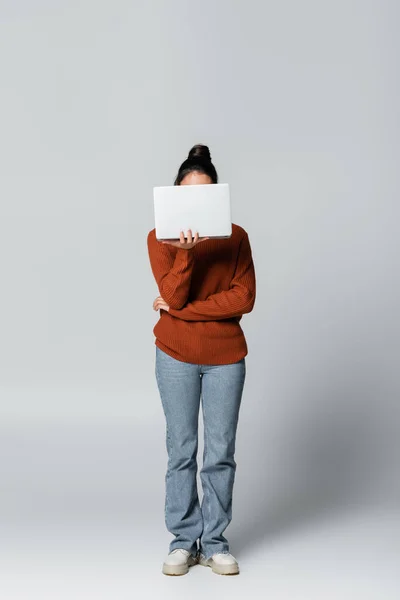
[(208, 288)]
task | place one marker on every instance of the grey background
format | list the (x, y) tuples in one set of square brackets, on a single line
[(99, 101)]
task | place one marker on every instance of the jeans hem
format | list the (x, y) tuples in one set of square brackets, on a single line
[(194, 555), (215, 551)]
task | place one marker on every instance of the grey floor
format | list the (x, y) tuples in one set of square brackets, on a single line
[(82, 517), (346, 556)]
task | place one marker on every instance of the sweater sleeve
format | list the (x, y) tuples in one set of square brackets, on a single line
[(172, 274), (235, 302)]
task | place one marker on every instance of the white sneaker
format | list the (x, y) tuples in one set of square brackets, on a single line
[(221, 563), (178, 562)]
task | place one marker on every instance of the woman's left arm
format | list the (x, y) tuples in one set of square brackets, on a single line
[(236, 301)]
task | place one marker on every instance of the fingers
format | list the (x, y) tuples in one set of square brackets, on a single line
[(188, 240), (159, 303)]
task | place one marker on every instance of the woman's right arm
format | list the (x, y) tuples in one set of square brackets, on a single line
[(172, 274)]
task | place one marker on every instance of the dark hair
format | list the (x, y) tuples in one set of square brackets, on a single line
[(199, 159)]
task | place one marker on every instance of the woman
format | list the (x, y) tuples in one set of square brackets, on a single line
[(205, 286)]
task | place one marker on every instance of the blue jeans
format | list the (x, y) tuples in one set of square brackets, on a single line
[(219, 387)]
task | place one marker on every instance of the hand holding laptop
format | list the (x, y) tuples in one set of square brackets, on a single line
[(198, 207), (191, 242)]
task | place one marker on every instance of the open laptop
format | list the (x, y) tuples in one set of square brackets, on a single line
[(204, 208)]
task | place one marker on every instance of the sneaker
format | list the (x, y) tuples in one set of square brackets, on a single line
[(221, 563), (178, 562)]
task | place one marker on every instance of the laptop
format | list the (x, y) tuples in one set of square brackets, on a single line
[(204, 208)]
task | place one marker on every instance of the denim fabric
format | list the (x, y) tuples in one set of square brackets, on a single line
[(183, 386)]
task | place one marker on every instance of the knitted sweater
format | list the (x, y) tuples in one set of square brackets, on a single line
[(208, 288)]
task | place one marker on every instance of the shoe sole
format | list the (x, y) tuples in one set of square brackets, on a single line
[(220, 569), (179, 569)]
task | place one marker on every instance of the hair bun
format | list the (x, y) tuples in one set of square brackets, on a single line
[(200, 151)]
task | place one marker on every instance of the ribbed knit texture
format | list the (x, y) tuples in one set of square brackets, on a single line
[(208, 288)]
